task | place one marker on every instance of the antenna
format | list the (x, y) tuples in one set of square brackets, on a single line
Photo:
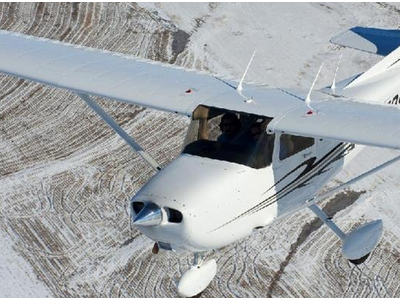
[(308, 98), (240, 88), (333, 86)]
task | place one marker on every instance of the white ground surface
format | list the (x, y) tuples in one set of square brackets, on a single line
[(65, 178), (17, 277)]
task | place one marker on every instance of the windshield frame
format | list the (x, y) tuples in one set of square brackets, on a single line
[(207, 137)]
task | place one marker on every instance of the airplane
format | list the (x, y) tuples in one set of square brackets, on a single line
[(252, 154)]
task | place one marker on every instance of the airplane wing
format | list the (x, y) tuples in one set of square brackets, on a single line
[(110, 75), (145, 83), (344, 120)]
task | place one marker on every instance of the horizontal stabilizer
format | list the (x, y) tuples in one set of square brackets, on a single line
[(372, 40), (344, 120)]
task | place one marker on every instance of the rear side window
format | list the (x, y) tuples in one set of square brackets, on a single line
[(292, 144)]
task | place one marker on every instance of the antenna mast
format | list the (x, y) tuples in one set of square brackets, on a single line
[(240, 88), (308, 98), (333, 86)]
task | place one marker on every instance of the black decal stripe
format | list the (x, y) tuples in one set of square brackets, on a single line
[(324, 169), (310, 165), (304, 181), (394, 63), (283, 192), (311, 171)]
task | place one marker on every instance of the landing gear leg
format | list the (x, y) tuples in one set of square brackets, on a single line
[(358, 244), (194, 281)]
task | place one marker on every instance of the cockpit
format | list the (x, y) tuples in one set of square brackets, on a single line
[(235, 137)]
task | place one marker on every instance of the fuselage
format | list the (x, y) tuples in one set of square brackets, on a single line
[(220, 202)]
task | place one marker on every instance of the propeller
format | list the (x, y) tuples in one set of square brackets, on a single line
[(150, 215)]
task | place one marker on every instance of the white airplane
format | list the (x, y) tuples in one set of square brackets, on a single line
[(252, 154)]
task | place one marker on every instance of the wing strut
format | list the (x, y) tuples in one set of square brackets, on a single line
[(343, 186), (359, 243), (327, 221), (127, 138)]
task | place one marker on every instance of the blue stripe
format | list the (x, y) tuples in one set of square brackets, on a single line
[(385, 40)]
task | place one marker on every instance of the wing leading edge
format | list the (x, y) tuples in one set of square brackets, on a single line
[(110, 75), (344, 120)]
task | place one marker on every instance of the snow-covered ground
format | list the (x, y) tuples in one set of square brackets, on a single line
[(17, 277), (65, 178)]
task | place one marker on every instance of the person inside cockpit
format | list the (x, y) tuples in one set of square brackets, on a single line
[(230, 127), (229, 136), (261, 143)]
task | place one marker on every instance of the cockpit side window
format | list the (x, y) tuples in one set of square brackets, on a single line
[(292, 144), (230, 136)]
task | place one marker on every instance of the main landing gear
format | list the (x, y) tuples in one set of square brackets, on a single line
[(358, 244)]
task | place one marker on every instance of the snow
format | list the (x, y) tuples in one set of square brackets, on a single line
[(16, 274)]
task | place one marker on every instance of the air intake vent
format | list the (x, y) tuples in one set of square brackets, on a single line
[(174, 216), (137, 206)]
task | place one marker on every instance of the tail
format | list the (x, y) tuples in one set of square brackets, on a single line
[(381, 83), (372, 40)]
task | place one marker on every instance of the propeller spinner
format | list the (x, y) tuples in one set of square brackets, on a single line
[(150, 215)]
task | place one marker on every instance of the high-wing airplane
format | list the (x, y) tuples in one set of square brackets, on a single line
[(252, 154)]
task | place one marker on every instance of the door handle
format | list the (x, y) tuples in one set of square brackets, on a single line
[(305, 155)]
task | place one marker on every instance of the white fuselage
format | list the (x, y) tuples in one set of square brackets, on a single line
[(222, 202)]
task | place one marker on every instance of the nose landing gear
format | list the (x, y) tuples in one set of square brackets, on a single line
[(194, 281), (155, 248)]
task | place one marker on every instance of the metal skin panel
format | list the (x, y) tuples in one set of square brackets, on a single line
[(380, 86)]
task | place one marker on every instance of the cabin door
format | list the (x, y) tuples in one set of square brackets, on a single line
[(293, 161)]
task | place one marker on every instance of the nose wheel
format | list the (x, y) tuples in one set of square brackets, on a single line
[(195, 280)]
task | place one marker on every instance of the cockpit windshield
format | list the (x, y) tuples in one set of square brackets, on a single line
[(230, 136)]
